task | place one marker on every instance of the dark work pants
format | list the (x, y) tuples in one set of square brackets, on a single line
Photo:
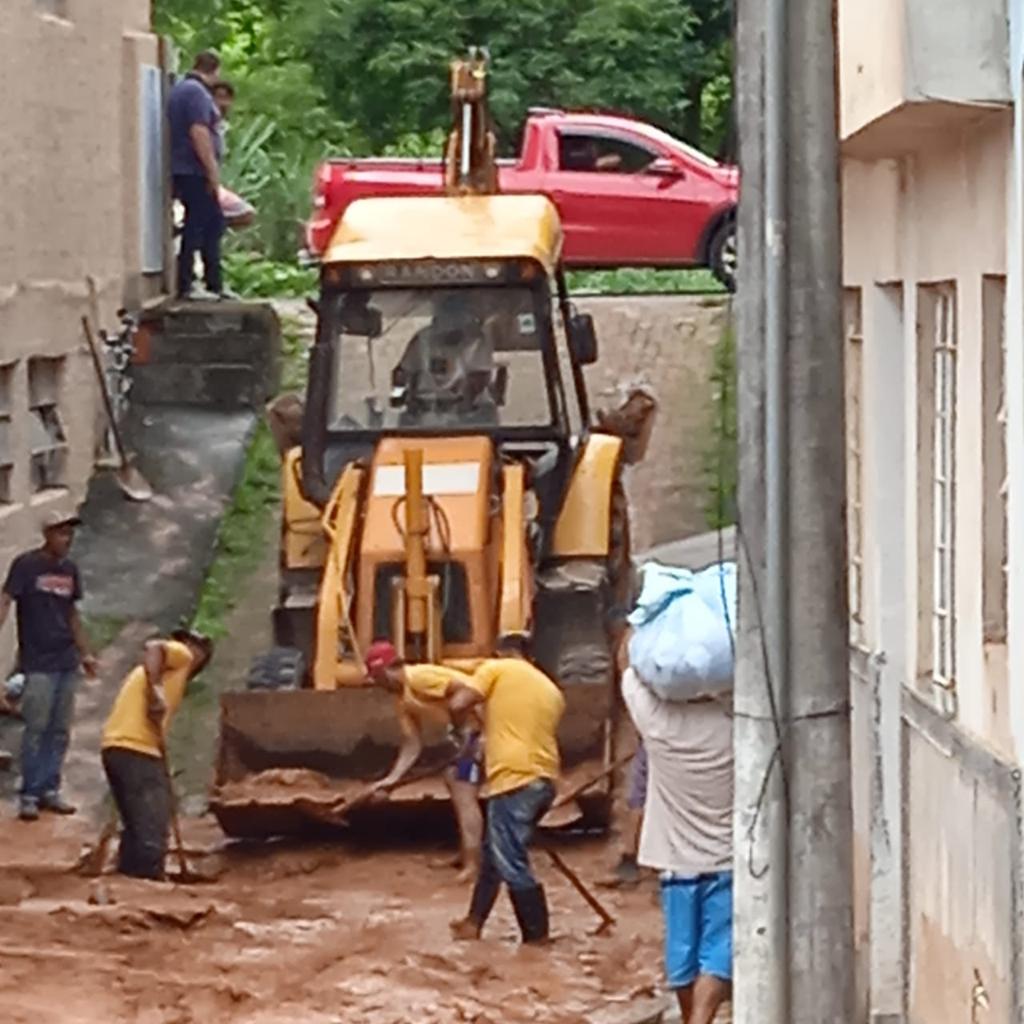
[(511, 820), (204, 226), (139, 784)]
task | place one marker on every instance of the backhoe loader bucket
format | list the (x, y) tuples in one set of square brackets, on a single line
[(288, 760)]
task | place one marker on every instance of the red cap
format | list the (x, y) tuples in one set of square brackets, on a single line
[(380, 654)]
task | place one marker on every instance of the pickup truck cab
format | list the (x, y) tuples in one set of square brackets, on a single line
[(627, 193)]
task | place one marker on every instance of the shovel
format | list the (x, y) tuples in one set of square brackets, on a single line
[(132, 483), (185, 873)]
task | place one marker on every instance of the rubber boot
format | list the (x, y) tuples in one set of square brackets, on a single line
[(531, 907)]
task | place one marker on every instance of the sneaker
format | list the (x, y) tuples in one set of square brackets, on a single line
[(57, 804), (28, 809), (227, 295)]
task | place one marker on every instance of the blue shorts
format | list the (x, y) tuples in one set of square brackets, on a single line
[(467, 764), (698, 927)]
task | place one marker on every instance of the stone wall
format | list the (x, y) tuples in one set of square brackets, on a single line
[(665, 343)]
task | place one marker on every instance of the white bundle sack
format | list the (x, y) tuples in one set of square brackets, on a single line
[(683, 627)]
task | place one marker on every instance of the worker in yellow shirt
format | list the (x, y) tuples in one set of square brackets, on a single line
[(134, 755), (423, 692), (522, 708)]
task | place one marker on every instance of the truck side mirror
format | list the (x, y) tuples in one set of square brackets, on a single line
[(582, 338), (663, 167)]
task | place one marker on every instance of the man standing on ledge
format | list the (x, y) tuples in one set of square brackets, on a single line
[(52, 646), (195, 167)]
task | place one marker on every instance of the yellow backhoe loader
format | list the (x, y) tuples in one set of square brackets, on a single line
[(449, 489)]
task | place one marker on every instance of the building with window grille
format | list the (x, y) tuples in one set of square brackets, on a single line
[(933, 185)]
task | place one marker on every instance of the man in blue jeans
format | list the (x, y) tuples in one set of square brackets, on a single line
[(521, 709), (52, 647), (687, 837), (195, 168)]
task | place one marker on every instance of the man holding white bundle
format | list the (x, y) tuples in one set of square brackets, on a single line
[(687, 827)]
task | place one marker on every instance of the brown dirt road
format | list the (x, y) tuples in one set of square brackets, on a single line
[(315, 934)]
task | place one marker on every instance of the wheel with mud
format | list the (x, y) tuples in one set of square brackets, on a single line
[(722, 254), (280, 668)]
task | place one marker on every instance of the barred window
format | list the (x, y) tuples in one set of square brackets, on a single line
[(47, 438)]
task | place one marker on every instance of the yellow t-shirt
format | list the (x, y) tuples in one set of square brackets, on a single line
[(522, 710), (128, 725), (425, 688)]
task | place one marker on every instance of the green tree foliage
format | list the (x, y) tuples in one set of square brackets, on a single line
[(381, 61), (369, 76)]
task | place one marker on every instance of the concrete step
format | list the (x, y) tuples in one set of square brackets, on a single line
[(216, 355)]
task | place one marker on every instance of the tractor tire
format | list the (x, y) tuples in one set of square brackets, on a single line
[(280, 668)]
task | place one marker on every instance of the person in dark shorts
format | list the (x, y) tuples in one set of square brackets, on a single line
[(52, 649), (133, 747), (422, 692)]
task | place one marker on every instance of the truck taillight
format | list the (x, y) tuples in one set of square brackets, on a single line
[(321, 185)]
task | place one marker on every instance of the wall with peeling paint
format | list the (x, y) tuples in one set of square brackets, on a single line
[(70, 207)]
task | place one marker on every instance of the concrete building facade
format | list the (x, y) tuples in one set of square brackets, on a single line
[(82, 195), (932, 195)]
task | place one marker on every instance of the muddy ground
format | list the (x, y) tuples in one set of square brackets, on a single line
[(327, 933)]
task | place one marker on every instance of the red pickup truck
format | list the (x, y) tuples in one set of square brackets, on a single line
[(628, 193)]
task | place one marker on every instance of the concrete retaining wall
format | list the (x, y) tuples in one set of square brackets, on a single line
[(665, 343)]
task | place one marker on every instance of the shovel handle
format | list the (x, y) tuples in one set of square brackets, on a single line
[(570, 794), (101, 377), (607, 921)]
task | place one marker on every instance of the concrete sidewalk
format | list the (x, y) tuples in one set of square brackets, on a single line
[(143, 564)]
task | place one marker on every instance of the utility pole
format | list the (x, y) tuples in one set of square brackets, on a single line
[(793, 882)]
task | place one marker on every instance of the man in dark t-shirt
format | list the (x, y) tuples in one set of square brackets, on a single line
[(45, 586), (195, 168)]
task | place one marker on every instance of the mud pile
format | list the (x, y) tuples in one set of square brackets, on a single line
[(315, 933)]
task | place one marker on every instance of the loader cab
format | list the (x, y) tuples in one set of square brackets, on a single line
[(461, 325)]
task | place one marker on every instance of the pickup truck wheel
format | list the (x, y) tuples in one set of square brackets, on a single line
[(722, 254)]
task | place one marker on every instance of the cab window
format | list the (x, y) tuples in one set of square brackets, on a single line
[(606, 154)]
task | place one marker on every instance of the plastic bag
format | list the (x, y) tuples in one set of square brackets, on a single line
[(682, 642)]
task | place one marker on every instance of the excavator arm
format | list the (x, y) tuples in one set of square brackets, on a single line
[(470, 167)]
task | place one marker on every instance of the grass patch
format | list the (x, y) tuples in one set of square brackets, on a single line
[(245, 531), (242, 534), (643, 281), (721, 456), (254, 277), (295, 342)]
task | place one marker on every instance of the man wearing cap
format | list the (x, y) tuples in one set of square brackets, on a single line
[(133, 745), (423, 692), (52, 649)]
